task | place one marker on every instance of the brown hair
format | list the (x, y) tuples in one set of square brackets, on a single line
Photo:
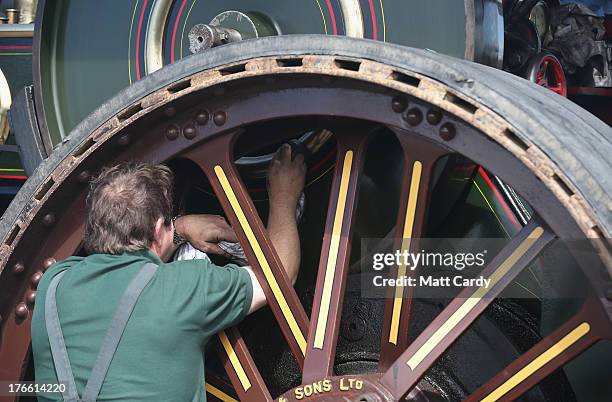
[(123, 205)]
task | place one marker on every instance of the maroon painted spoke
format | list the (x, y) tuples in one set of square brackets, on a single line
[(216, 161), (420, 157), (217, 389), (241, 368), (463, 310), (335, 253), (568, 341)]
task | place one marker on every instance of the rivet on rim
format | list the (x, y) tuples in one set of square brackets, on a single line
[(433, 116), (35, 279), (172, 132), (219, 117), (414, 117), (84, 177), (201, 117), (49, 219), (123, 140), (48, 262), (447, 131), (189, 131), (170, 111), (18, 267), (30, 297), (399, 104), (21, 311)]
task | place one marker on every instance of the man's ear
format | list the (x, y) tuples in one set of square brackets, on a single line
[(159, 232)]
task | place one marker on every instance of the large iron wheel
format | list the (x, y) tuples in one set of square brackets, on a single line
[(434, 105)]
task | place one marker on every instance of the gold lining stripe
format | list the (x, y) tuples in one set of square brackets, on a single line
[(211, 389), (415, 182), (537, 363), (261, 259), (242, 376), (470, 303), (332, 255)]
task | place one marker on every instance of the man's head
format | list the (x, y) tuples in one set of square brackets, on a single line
[(129, 208)]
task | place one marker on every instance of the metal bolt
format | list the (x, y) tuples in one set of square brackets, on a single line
[(18, 267), (48, 262), (399, 104), (219, 117), (170, 111), (433, 116), (447, 131), (189, 131), (49, 219), (414, 117), (84, 177), (172, 132), (21, 311), (123, 140), (35, 279), (202, 117), (30, 297)]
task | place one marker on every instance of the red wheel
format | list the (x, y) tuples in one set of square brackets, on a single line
[(546, 70)]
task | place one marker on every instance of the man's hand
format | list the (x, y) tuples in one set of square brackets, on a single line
[(286, 179), (205, 231)]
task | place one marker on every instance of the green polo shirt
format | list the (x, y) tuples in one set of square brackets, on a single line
[(160, 356)]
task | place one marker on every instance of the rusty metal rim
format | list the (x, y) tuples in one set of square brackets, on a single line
[(415, 85)]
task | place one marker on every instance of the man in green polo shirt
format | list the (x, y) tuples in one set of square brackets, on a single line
[(182, 304)]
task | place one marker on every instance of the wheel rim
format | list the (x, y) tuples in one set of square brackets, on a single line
[(403, 101), (547, 71)]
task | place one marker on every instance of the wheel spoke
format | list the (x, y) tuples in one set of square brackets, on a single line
[(218, 389), (420, 157), (335, 253), (404, 374), (551, 353), (241, 368), (216, 162)]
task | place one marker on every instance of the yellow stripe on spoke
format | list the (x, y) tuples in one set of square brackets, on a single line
[(261, 259), (242, 376), (470, 303), (332, 256), (211, 389), (536, 364), (415, 182)]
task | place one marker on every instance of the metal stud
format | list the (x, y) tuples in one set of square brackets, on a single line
[(201, 117), (172, 132), (35, 279), (219, 117), (49, 219), (21, 311), (414, 117), (189, 131), (123, 140), (48, 262), (18, 267), (399, 104), (447, 131), (84, 177), (170, 111), (30, 297), (433, 116)]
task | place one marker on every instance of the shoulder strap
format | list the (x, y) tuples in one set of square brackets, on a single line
[(56, 340), (109, 344)]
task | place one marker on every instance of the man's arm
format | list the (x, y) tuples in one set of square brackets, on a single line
[(285, 184)]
